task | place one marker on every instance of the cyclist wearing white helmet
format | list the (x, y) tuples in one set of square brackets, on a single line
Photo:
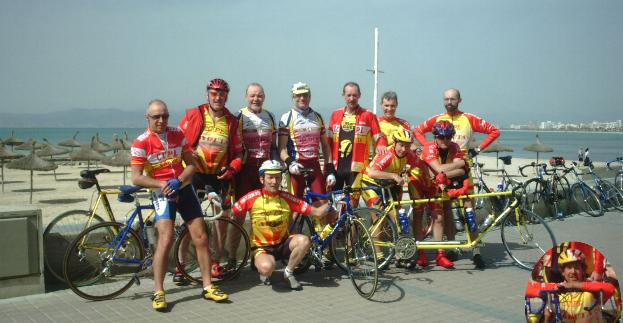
[(271, 210)]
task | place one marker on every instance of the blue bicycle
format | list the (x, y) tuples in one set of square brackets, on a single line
[(349, 243), (106, 259)]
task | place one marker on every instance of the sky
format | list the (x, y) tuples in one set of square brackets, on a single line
[(514, 61)]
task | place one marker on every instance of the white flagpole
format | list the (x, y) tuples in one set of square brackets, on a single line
[(376, 67)]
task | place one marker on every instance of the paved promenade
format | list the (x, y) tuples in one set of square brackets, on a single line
[(432, 295)]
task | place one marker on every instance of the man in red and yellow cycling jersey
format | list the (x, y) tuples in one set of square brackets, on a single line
[(352, 132), (301, 134), (258, 131), (577, 296), (546, 269), (271, 210), (445, 160), (465, 125), (160, 151), (213, 132), (399, 160)]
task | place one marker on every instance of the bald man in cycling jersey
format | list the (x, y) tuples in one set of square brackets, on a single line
[(159, 151), (271, 210), (465, 125)]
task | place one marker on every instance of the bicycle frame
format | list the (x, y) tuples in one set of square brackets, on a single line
[(467, 244)]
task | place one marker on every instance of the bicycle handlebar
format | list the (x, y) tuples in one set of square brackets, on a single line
[(533, 164)]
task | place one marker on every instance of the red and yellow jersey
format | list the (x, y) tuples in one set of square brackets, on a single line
[(431, 152), (256, 131), (367, 133), (594, 259), (213, 143), (160, 155), (465, 125), (389, 125), (270, 215), (573, 305), (304, 130), (389, 162)]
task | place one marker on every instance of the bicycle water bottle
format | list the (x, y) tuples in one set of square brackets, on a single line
[(471, 219), (457, 218), (500, 187), (403, 219)]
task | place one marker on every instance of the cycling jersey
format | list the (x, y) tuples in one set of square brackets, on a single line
[(465, 125), (391, 163), (216, 140), (390, 125), (574, 304), (304, 129), (160, 155), (270, 215), (256, 131), (366, 132), (431, 152)]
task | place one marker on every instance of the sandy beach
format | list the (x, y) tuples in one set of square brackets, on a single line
[(63, 194)]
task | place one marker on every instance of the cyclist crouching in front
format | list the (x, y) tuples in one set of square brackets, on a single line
[(270, 210), (160, 151)]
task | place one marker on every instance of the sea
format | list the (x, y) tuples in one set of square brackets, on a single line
[(602, 146)]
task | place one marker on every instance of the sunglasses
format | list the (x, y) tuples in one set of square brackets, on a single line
[(443, 137), (159, 116)]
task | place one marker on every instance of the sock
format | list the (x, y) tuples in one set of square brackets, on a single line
[(263, 278), (287, 272)]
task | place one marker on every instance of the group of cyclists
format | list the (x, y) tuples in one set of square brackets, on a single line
[(244, 157)]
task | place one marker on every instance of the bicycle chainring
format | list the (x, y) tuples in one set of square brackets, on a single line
[(405, 248)]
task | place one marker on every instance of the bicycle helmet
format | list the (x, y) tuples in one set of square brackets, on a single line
[(270, 167), (218, 84), (571, 255), (443, 128), (402, 135), (300, 88)]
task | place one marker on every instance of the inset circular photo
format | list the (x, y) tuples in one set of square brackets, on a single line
[(573, 282)]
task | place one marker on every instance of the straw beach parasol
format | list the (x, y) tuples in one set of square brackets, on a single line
[(28, 145), (50, 150), (5, 154), (86, 153), (71, 143), (32, 162), (120, 159), (99, 146), (497, 148), (13, 141), (538, 147)]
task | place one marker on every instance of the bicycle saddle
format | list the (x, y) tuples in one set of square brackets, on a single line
[(92, 173), (305, 171), (126, 193), (506, 159)]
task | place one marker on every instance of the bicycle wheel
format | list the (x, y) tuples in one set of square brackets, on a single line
[(384, 234), (526, 237), (535, 193), (302, 225), (222, 235), (586, 199), (94, 271), (361, 259), (59, 234), (560, 192), (612, 195)]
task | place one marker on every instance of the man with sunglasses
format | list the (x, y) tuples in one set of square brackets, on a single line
[(212, 131), (160, 151), (465, 125)]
